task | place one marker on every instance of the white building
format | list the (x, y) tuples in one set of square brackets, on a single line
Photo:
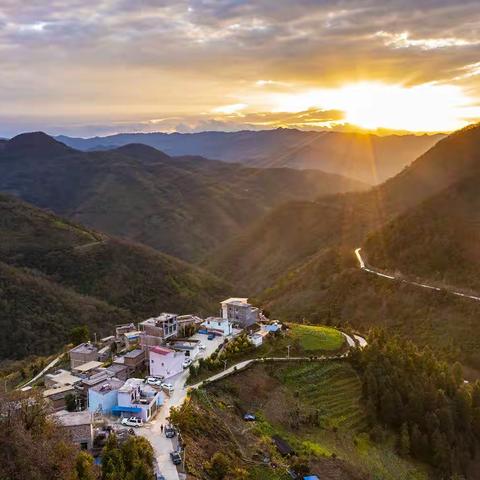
[(218, 325), (165, 362), (137, 399)]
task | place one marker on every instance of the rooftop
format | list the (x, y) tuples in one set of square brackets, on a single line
[(84, 348), (134, 353), (63, 377), (56, 391), (235, 301), (116, 368), (86, 367), (100, 377), (163, 317), (108, 386), (73, 419), (162, 350)]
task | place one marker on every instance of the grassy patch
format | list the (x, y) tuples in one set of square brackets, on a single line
[(314, 338)]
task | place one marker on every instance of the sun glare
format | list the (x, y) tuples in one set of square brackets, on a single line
[(422, 108)]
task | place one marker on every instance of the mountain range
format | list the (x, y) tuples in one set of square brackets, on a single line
[(184, 206), (365, 157)]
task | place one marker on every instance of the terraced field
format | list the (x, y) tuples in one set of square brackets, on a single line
[(332, 388)]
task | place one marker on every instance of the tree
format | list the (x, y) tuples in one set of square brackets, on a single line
[(218, 467), (71, 402), (80, 334), (85, 467)]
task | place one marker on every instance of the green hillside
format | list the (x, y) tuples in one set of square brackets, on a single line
[(61, 274), (436, 241), (294, 233), (183, 206), (315, 407), (331, 289)]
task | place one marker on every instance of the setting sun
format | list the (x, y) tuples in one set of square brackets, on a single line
[(371, 105)]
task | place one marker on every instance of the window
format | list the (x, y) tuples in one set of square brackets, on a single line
[(83, 445)]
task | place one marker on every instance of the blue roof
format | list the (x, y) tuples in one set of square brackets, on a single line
[(311, 477), (126, 409), (276, 328)]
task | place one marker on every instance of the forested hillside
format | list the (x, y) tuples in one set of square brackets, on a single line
[(292, 234), (184, 206), (60, 275)]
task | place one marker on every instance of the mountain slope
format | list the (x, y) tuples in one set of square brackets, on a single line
[(183, 206), (369, 158), (436, 241), (297, 231), (55, 272)]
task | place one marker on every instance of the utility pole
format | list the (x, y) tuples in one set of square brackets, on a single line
[(224, 365), (288, 351), (95, 337)]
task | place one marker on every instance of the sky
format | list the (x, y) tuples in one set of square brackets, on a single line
[(96, 67)]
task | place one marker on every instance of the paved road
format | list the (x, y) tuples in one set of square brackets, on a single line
[(416, 284), (162, 446), (43, 372)]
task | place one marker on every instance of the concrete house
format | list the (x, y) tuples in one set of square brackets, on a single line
[(56, 396), (218, 325), (165, 362), (79, 427), (239, 312), (83, 353), (104, 396), (135, 398), (156, 331)]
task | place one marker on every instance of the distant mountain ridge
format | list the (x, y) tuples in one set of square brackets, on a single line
[(366, 157), (183, 206)]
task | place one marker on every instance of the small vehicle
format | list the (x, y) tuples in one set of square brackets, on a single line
[(168, 387), (211, 336), (187, 363), (202, 347), (132, 422), (249, 417), (154, 381), (176, 458), (170, 432)]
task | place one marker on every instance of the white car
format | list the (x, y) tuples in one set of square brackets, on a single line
[(168, 387), (187, 362), (132, 422), (154, 381), (202, 347)]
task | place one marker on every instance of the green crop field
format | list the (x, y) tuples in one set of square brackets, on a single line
[(315, 338)]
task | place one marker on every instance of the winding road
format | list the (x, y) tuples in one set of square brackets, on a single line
[(369, 269), (162, 446)]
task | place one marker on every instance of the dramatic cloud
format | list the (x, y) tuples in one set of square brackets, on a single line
[(80, 65)]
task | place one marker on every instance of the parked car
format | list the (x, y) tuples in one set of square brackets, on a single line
[(168, 387), (249, 417), (176, 458), (132, 422), (170, 432), (154, 381), (202, 347), (211, 336), (187, 362)]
